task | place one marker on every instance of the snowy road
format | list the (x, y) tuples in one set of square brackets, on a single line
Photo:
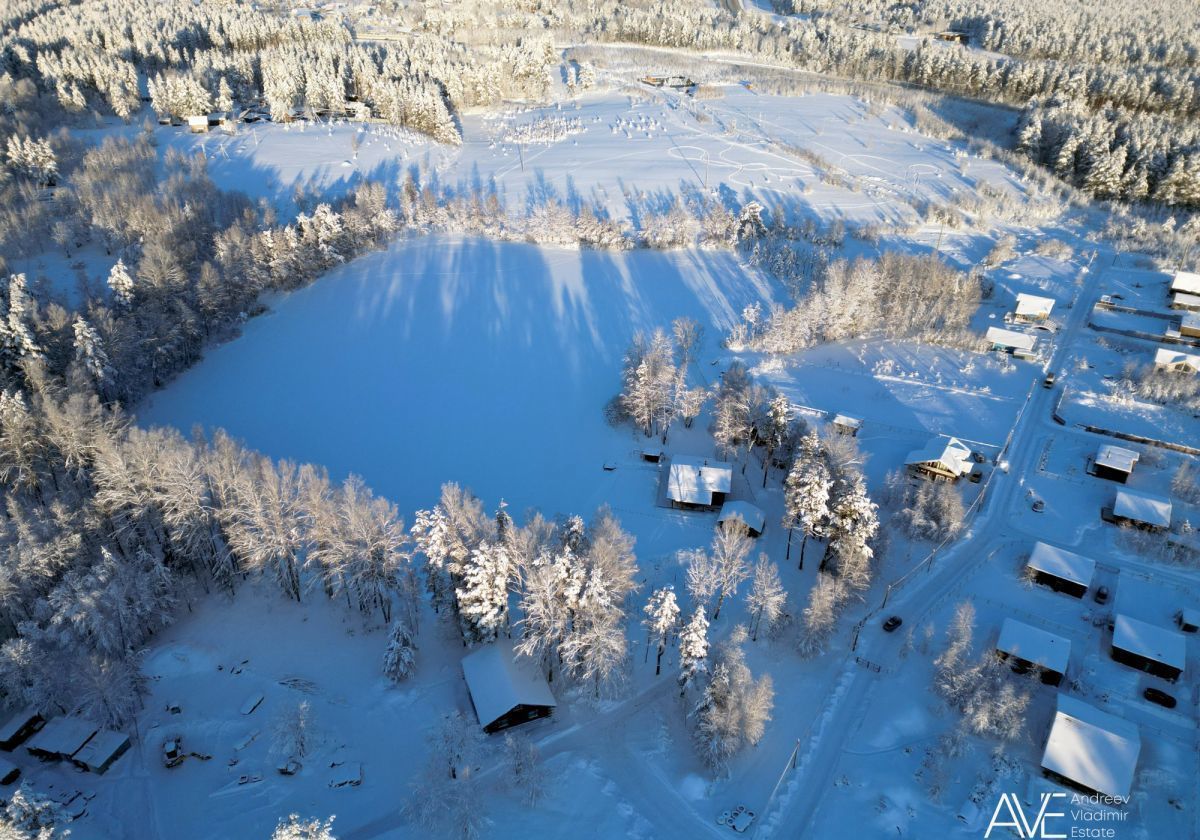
[(989, 530)]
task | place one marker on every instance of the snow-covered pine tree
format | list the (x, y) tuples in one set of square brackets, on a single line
[(662, 622), (400, 656), (482, 593), (693, 650), (807, 491), (121, 284)]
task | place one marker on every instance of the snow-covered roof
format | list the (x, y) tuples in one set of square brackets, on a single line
[(1011, 338), (847, 421), (1142, 507), (1150, 640), (198, 119), (951, 453), (1164, 357), (1186, 299), (104, 745), (498, 683), (16, 723), (752, 515), (1116, 458), (1092, 748), (1034, 645), (1186, 281), (694, 480), (63, 736), (1062, 563), (1034, 306), (1190, 321)]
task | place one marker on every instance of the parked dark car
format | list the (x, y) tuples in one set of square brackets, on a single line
[(1160, 697), (892, 623), (1101, 595), (1038, 505)]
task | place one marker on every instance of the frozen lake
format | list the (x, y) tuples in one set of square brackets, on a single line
[(462, 360)]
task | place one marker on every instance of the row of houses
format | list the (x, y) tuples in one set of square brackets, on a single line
[(86, 745)]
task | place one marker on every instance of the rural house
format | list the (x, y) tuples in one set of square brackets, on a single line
[(1061, 570), (1031, 308), (505, 692), (698, 483), (1091, 750), (1026, 648), (1114, 463), (1176, 361), (1148, 647), (948, 459), (1140, 510)]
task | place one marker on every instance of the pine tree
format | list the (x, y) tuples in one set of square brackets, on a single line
[(807, 493), (89, 351), (662, 621), (121, 284), (400, 656), (483, 593), (693, 650)]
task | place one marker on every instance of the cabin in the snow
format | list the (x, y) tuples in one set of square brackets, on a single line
[(1032, 309), (1019, 344), (198, 123), (1061, 570), (1140, 510), (844, 424), (61, 738), (17, 729), (1148, 647), (1176, 361), (1114, 463), (750, 515), (505, 692), (947, 458), (955, 36), (698, 483), (1091, 750), (99, 753), (1026, 648)]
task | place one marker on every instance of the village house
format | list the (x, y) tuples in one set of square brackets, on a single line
[(948, 459), (61, 738), (698, 483), (1140, 510), (1176, 361), (1114, 463), (1061, 570), (505, 692), (198, 123), (1026, 648), (1148, 647), (1032, 308), (1018, 344), (1185, 282), (1091, 750)]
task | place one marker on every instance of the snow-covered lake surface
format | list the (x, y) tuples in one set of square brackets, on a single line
[(445, 359)]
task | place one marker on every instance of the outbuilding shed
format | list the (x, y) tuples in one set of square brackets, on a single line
[(751, 515), (1060, 569), (99, 753), (505, 692), (1142, 510), (1148, 647), (1091, 750), (17, 729), (61, 738), (1025, 647)]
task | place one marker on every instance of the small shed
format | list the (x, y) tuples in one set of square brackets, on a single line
[(948, 459), (1114, 463), (1032, 308), (98, 754), (1176, 361), (505, 692), (61, 738), (844, 424), (1148, 647), (1026, 647), (1185, 301), (698, 483), (198, 123), (17, 729), (752, 515), (1188, 619), (1010, 341), (1141, 510), (1061, 570), (1187, 282), (1189, 326), (1091, 750)]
